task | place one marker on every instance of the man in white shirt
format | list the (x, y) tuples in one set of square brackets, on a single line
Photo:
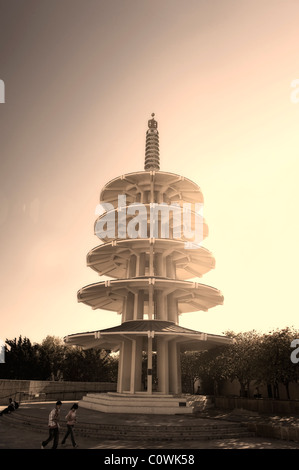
[(53, 426)]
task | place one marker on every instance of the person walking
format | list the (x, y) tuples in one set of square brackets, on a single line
[(71, 418), (53, 426)]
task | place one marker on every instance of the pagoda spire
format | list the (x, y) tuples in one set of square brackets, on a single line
[(152, 160)]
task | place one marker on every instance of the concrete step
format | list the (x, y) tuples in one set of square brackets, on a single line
[(137, 403), (144, 432), (113, 408), (140, 400)]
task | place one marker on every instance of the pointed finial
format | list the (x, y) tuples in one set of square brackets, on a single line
[(152, 123), (152, 161)]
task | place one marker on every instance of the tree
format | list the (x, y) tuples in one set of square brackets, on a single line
[(21, 361), (275, 364), (92, 365), (53, 360), (212, 367), (189, 370), (52, 351), (243, 358)]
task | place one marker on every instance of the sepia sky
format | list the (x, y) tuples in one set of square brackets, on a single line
[(82, 78)]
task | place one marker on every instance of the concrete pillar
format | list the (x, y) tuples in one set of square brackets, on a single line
[(140, 307), (151, 260), (135, 313), (130, 306), (172, 308), (159, 264), (132, 266), (162, 365), (136, 366), (161, 308), (142, 264), (137, 265), (174, 368), (170, 268), (158, 304), (124, 310), (150, 365), (151, 302), (124, 367)]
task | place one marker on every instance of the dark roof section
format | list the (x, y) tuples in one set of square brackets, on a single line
[(158, 326)]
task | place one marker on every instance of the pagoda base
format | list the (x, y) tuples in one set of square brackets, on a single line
[(137, 403)]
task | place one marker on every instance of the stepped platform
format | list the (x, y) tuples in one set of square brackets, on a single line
[(129, 427), (138, 403)]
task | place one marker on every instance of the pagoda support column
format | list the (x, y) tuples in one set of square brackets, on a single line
[(141, 264), (135, 311), (163, 365), (174, 368), (161, 307), (140, 306), (172, 308), (136, 365), (151, 302), (124, 367), (160, 271), (149, 364)]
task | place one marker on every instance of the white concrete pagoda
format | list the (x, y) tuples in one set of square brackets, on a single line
[(149, 286)]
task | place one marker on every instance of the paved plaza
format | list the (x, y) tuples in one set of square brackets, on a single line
[(14, 434)]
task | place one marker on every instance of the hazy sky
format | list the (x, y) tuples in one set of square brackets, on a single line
[(81, 80)]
